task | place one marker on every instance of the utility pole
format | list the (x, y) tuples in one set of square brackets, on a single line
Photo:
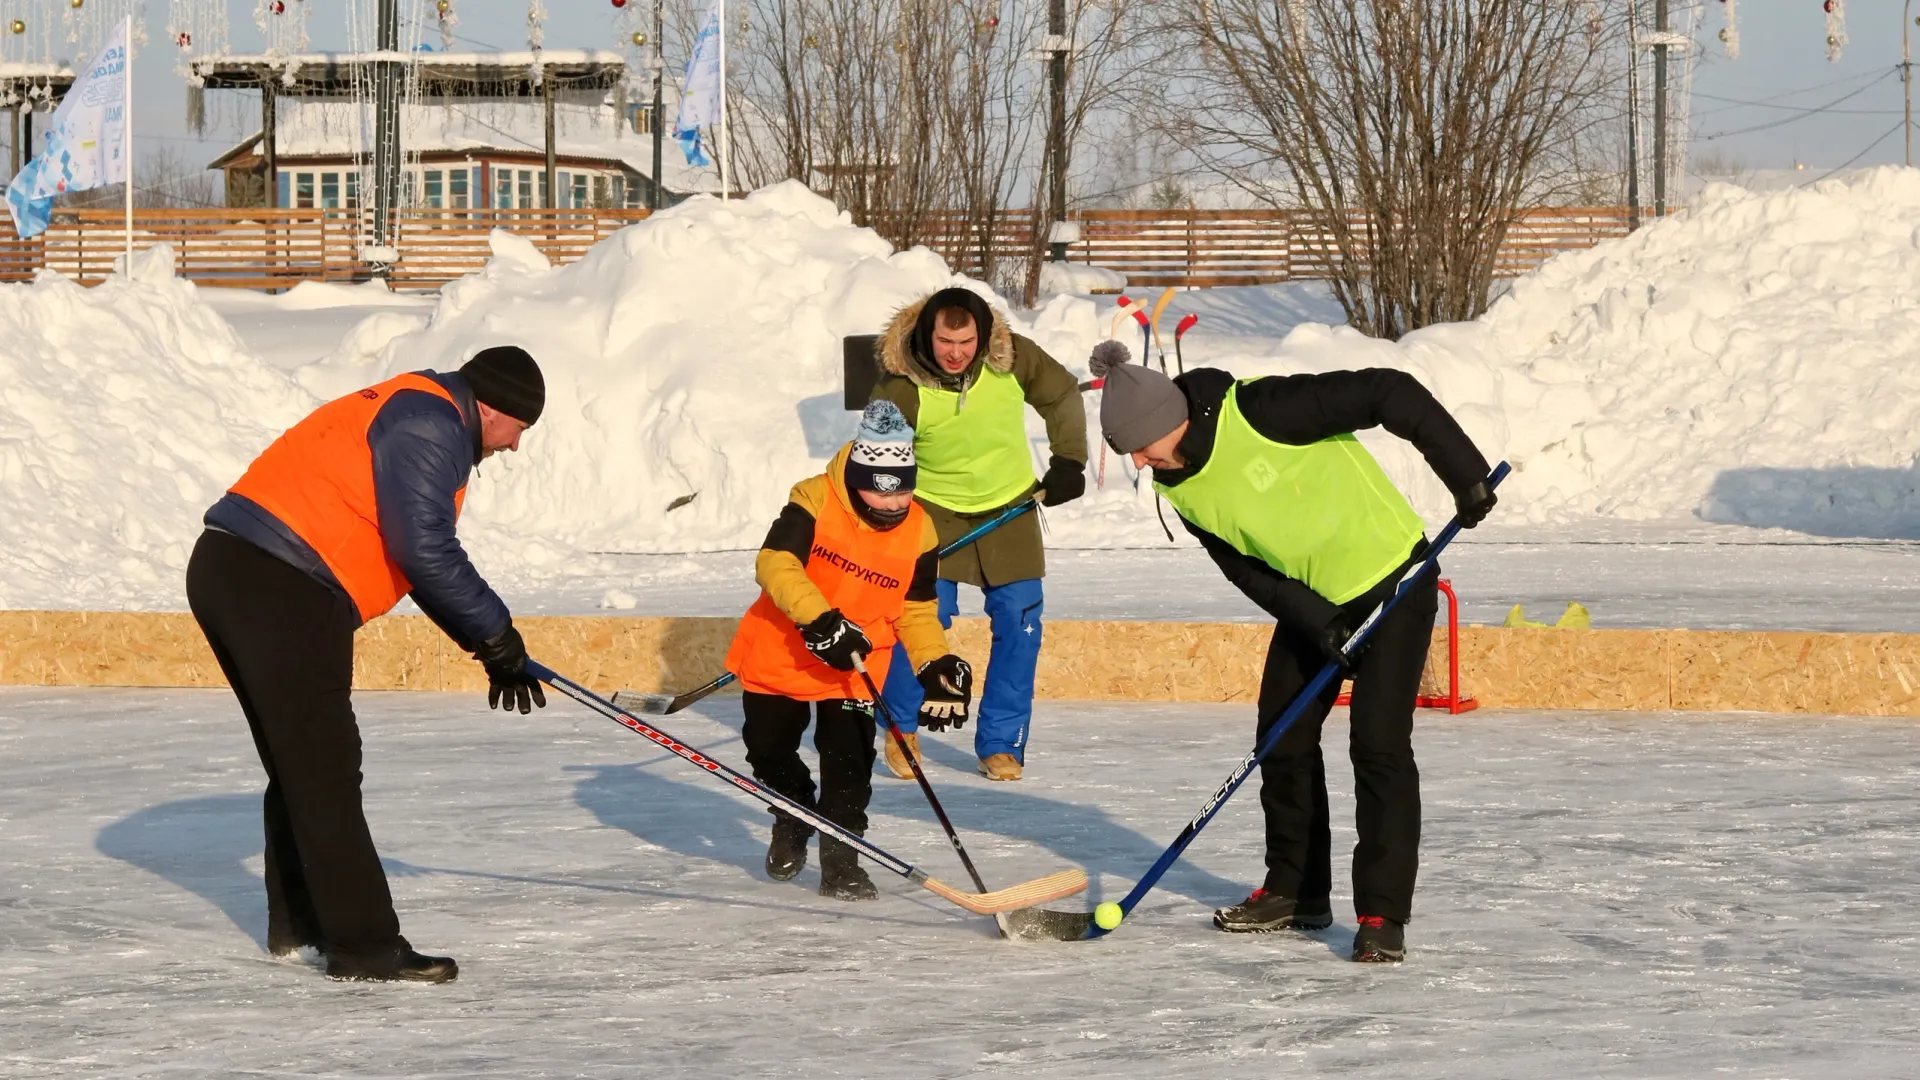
[(386, 127), (1057, 126), (1660, 109), (1906, 70), (269, 142), (1633, 116), (655, 198)]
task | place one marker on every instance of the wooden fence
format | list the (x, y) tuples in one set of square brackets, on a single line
[(276, 249)]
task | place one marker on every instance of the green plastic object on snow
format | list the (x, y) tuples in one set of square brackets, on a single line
[(1574, 618)]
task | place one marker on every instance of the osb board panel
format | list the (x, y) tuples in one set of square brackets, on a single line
[(1848, 674), (85, 648), (1563, 669)]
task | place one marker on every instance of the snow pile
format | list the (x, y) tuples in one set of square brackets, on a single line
[(694, 358), (125, 410), (1750, 362)]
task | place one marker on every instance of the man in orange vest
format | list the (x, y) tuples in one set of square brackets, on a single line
[(847, 569), (348, 511)]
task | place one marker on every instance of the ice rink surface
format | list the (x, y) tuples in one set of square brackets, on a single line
[(1601, 895)]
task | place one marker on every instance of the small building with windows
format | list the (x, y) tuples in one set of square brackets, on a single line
[(465, 156)]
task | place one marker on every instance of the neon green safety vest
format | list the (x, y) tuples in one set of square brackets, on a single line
[(976, 458), (1324, 514)]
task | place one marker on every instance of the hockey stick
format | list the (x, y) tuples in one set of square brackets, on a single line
[(1179, 332), (1159, 306), (1076, 926), (1037, 891), (668, 704), (926, 786)]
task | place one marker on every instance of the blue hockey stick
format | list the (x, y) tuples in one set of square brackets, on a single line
[(1075, 926), (668, 704)]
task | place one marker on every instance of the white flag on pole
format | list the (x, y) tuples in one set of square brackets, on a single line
[(700, 92), (86, 144)]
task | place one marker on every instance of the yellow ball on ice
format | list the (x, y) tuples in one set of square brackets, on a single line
[(1108, 915)]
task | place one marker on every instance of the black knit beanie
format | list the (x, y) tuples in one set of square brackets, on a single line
[(506, 378)]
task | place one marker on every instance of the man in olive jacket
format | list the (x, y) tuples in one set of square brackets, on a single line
[(964, 381)]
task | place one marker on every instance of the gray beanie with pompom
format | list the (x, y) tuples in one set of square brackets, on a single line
[(1138, 406)]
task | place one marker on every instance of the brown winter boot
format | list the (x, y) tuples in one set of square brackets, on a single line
[(896, 761), (1000, 767)]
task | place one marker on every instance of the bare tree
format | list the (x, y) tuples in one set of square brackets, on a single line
[(1409, 133)]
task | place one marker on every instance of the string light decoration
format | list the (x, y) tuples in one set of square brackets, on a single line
[(1836, 28), (1730, 33), (448, 19)]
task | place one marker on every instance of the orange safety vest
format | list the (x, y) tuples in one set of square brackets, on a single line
[(864, 572), (317, 479)]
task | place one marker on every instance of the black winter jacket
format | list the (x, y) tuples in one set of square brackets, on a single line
[(424, 450), (1301, 409)]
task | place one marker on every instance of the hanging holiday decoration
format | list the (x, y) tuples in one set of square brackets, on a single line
[(77, 3), (619, 3), (448, 20), (1730, 33), (1836, 29), (536, 24), (19, 26), (639, 39)]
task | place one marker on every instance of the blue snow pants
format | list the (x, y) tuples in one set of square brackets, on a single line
[(1003, 710)]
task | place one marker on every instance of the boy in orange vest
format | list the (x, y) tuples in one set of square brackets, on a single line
[(847, 569)]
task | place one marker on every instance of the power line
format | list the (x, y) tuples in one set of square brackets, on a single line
[(1802, 116), (1861, 154), (1799, 108), (1791, 93)]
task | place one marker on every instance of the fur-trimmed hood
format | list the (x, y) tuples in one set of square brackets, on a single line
[(896, 347)]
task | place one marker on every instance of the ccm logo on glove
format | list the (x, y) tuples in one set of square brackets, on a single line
[(835, 640)]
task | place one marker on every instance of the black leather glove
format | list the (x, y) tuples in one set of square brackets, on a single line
[(504, 656), (835, 640), (1066, 480), (1333, 639), (1473, 504), (948, 684)]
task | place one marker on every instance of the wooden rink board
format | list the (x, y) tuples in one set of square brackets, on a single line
[(1648, 670)]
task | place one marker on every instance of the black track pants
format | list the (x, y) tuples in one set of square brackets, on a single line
[(285, 642), (1293, 779), (844, 738)]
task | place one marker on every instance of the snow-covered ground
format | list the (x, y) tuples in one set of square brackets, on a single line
[(1627, 896)]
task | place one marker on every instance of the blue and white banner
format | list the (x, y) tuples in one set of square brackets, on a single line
[(86, 144), (703, 85)]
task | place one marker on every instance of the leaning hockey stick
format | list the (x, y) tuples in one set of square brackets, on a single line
[(1037, 891), (926, 787), (1075, 926), (668, 704)]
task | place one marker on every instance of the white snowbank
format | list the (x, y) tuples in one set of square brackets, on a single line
[(125, 410), (1752, 361), (1066, 277)]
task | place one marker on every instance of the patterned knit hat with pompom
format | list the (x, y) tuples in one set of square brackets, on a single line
[(882, 457)]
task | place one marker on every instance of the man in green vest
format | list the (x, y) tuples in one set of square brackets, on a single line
[(1267, 475), (964, 381)]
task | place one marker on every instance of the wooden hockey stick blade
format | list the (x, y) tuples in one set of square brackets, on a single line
[(1013, 897), (1160, 306), (1039, 924)]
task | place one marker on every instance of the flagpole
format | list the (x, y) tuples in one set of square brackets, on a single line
[(726, 132), (126, 128)]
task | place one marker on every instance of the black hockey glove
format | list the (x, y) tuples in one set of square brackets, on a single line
[(835, 640), (948, 683), (1474, 504), (1333, 639), (508, 685), (1066, 480)]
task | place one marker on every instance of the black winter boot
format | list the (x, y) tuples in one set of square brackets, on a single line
[(398, 965), (1379, 941), (1264, 912), (841, 876), (787, 854)]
